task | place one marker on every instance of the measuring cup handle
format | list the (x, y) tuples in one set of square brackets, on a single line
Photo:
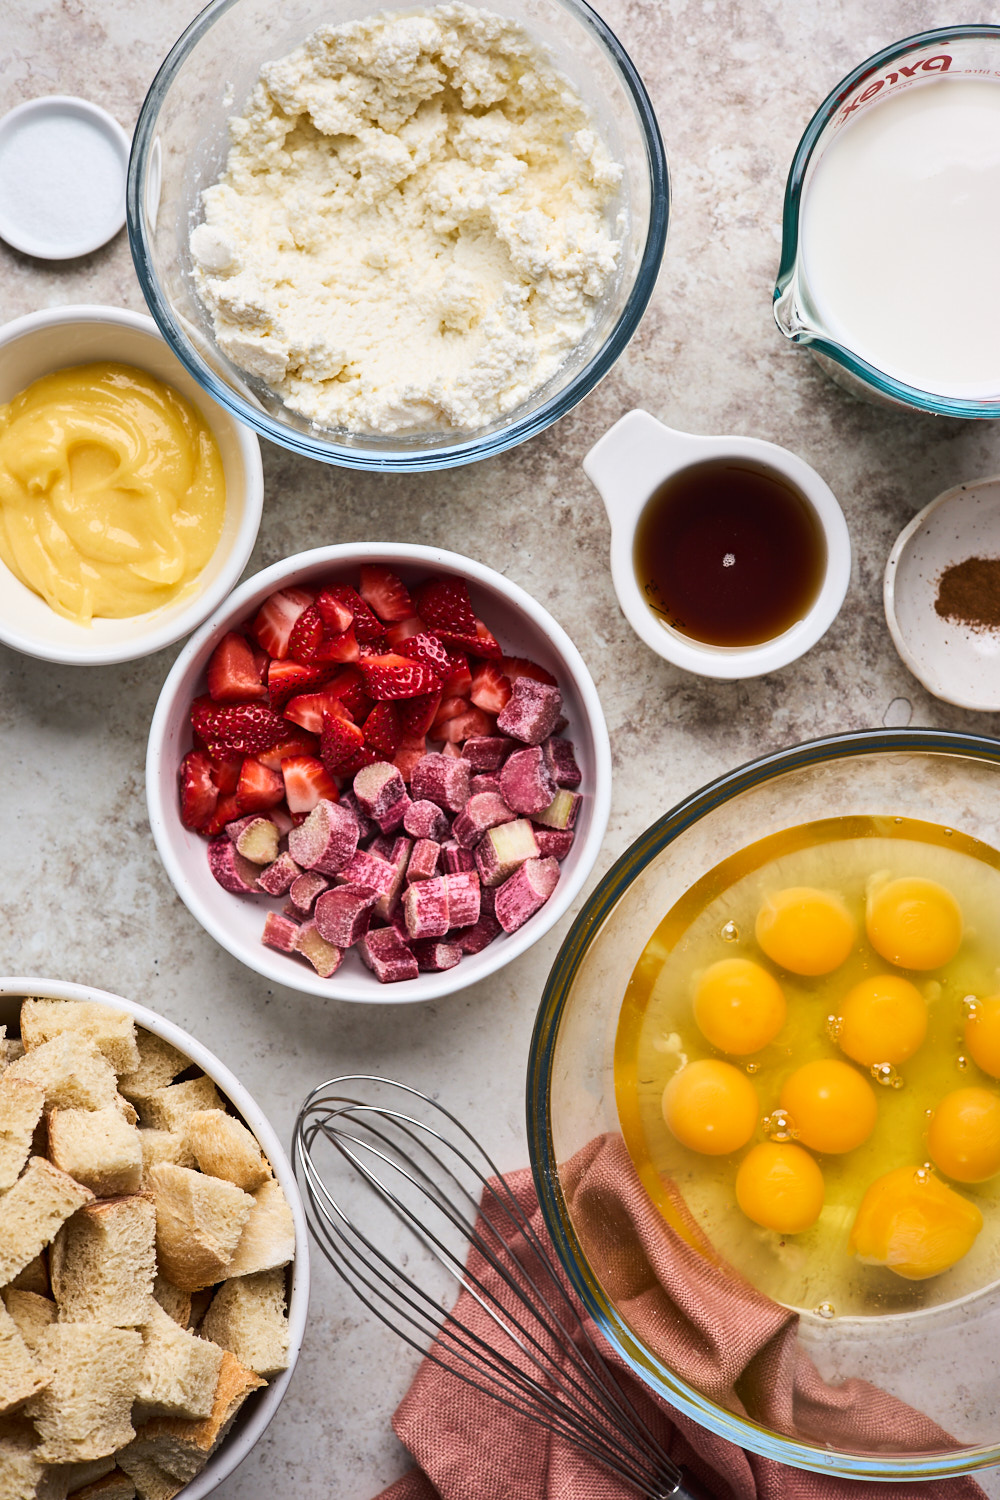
[(635, 456)]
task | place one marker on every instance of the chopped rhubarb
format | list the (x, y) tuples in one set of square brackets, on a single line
[(305, 888), (525, 892), (526, 782), (425, 907), (463, 898), (556, 842), (327, 838), (399, 857), (369, 869), (487, 752), (229, 867), (503, 849), (424, 859), (343, 914), (484, 783), (455, 858), (382, 794), (425, 820), (532, 711), (325, 957), (388, 957), (562, 762), (441, 779), (484, 811), (279, 876), (280, 932), (479, 936), (257, 842), (561, 811), (434, 957)]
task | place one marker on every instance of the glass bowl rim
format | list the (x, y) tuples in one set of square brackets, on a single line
[(385, 459), (887, 385), (741, 1431)]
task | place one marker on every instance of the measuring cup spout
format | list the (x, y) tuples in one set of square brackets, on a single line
[(631, 460)]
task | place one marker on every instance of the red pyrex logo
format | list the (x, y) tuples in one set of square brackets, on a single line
[(938, 64)]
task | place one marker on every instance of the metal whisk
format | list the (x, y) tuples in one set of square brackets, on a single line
[(366, 1147)]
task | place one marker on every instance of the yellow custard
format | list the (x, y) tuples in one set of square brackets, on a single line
[(112, 491)]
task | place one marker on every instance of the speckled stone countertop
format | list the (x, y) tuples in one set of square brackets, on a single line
[(82, 894)]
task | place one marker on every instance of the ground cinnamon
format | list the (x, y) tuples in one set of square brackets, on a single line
[(969, 593)]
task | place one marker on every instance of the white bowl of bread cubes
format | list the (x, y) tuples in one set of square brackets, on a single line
[(153, 1254)]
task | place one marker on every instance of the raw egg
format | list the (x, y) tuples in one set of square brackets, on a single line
[(711, 1107), (914, 1224), (805, 930), (738, 1005), (832, 1107), (882, 1020), (914, 923), (982, 1035), (780, 1187), (963, 1137)]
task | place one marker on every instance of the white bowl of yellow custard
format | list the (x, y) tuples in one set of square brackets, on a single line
[(129, 500)]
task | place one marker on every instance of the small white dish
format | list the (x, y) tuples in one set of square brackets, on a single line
[(630, 463), (63, 165), (59, 337), (958, 663)]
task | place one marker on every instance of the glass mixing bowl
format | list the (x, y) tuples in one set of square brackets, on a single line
[(180, 146), (944, 1361)]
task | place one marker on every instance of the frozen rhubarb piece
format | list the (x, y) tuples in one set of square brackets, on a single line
[(434, 956), (479, 936), (305, 888), (451, 750), (503, 849), (525, 892), (327, 838), (561, 811), (487, 899), (425, 907), (382, 794), (556, 842), (366, 825), (482, 782), (384, 952), (424, 859), (441, 779), (399, 857), (366, 868), (344, 914), (279, 875), (482, 812), (425, 820), (455, 858), (487, 752), (258, 841), (325, 957), (231, 870), (562, 762), (463, 898), (532, 711), (279, 932)]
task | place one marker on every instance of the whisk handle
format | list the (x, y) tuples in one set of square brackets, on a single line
[(688, 1488)]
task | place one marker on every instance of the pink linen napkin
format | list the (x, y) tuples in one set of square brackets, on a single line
[(731, 1342)]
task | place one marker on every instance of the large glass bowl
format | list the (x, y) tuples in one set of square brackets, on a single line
[(180, 146), (945, 1362)]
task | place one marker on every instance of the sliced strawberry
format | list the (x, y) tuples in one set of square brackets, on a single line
[(368, 630), (287, 678), (199, 793), (357, 702), (337, 614), (478, 642), (247, 727), (259, 787), (416, 715), (306, 635), (411, 749), (444, 604), (233, 675), (393, 676), (306, 781), (383, 730), (308, 709), (385, 593), (519, 666), (428, 649), (448, 708), (276, 618), (462, 726), (226, 809), (296, 744), (225, 767), (458, 683), (338, 648), (490, 688), (340, 742), (397, 634)]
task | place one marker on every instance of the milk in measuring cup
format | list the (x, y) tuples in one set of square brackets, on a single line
[(900, 236)]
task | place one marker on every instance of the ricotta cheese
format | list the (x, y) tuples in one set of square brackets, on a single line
[(413, 228)]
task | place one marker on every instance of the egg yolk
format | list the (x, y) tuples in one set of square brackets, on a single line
[(711, 1107), (882, 1020), (805, 930), (914, 1224), (739, 1006), (963, 1137), (780, 1187), (832, 1107), (914, 923), (982, 1035)]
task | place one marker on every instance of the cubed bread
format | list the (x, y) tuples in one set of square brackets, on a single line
[(114, 1486), (32, 1211), (71, 1070), (269, 1237), (103, 1262), (180, 1372), (182, 1448), (163, 1145), (34, 1277), (31, 1314), (224, 1147), (23, 1476), (199, 1223), (97, 1147), (168, 1108), (151, 1482), (21, 1103), (78, 1476), (175, 1303), (159, 1064), (20, 1373), (111, 1031), (84, 1411), (247, 1317)]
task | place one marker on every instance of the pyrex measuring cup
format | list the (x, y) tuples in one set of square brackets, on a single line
[(954, 52)]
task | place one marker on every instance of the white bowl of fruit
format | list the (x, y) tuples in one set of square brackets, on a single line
[(378, 772)]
